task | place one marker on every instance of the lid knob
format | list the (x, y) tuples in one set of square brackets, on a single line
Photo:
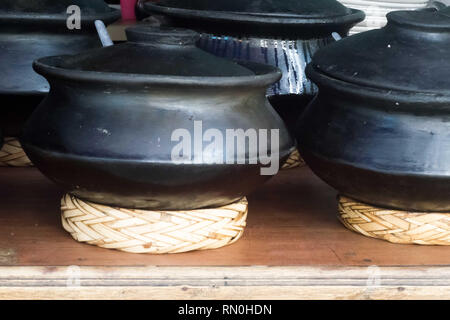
[(162, 36)]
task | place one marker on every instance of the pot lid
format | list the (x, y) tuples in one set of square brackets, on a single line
[(166, 54), (260, 12), (268, 8), (410, 54), (55, 10)]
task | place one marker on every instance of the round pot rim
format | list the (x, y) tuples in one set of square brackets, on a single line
[(267, 75), (258, 18), (23, 93), (54, 19), (379, 93)]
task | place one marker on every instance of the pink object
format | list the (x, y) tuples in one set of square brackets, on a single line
[(128, 9)]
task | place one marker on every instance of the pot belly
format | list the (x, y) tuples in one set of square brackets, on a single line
[(123, 148), (147, 185), (413, 192), (381, 156)]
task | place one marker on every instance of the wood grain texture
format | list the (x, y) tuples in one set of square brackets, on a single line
[(226, 293), (224, 283), (292, 222), (294, 248)]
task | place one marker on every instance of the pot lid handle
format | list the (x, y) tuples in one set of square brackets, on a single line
[(103, 34), (336, 36), (162, 36)]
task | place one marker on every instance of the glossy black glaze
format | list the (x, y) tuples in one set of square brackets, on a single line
[(282, 33), (379, 129), (104, 134), (265, 19), (32, 29)]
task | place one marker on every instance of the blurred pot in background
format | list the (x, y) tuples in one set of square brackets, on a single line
[(31, 29), (283, 33)]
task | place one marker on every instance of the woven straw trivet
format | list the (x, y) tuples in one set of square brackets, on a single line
[(295, 160), (157, 232), (394, 225), (12, 154)]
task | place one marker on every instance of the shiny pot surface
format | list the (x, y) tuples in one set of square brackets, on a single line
[(37, 28), (281, 33), (105, 132), (378, 131)]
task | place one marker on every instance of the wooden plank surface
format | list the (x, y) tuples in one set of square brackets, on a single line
[(224, 283), (292, 222), (225, 293)]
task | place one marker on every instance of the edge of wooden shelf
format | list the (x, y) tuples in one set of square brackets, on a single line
[(246, 283)]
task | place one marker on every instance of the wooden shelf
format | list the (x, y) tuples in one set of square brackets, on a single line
[(293, 247)]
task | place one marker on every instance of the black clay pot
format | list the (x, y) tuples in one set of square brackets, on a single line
[(31, 29), (282, 33), (379, 129), (105, 133)]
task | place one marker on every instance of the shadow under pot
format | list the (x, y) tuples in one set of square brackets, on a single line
[(379, 129), (30, 29), (284, 34), (156, 123)]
